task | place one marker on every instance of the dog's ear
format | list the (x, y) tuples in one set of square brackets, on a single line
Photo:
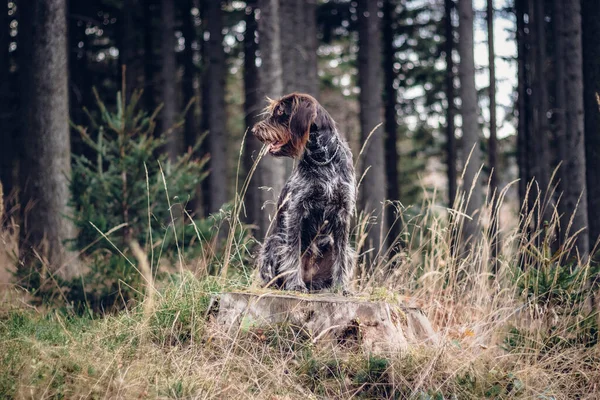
[(304, 112)]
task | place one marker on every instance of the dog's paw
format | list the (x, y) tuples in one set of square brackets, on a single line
[(339, 289), (296, 288), (266, 273)]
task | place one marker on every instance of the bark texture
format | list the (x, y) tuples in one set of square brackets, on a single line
[(390, 125), (522, 100), (373, 189), (169, 80), (574, 189), (149, 14), (128, 47), (451, 110), (46, 168), (470, 128), (375, 326), (6, 134), (298, 30), (591, 77), (560, 129), (251, 109), (215, 75), (270, 172), (539, 151), (189, 73), (310, 77), (493, 142)]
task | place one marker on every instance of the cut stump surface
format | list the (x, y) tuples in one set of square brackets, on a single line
[(378, 327)]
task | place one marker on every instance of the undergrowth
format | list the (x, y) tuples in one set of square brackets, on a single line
[(176, 352)]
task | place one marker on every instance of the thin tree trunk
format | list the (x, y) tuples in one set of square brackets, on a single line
[(169, 80), (291, 30), (575, 195), (46, 167), (298, 30), (6, 134), (270, 171), (310, 77), (189, 74), (591, 88), (373, 190), (291, 46), (190, 80), (471, 136), (451, 110), (128, 45), (522, 99), (539, 141), (493, 143), (391, 125), (215, 74), (560, 100), (149, 56), (251, 109)]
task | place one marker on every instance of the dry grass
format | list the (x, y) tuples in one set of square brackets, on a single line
[(508, 335)]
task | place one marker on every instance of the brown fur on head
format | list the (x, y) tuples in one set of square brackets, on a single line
[(287, 123)]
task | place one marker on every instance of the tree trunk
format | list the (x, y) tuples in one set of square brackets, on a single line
[(560, 100), (189, 87), (291, 45), (298, 30), (451, 107), (169, 81), (309, 80), (252, 108), (149, 56), (391, 125), (591, 88), (189, 74), (373, 190), (291, 20), (539, 151), (522, 99), (270, 171), (6, 134), (493, 143), (298, 20), (46, 168), (471, 136), (215, 74), (574, 190), (128, 45)]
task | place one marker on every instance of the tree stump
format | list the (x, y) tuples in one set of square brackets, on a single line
[(377, 326)]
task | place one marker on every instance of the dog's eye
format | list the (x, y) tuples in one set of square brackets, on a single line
[(279, 111)]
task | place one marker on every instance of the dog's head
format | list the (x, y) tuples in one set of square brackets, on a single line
[(287, 122)]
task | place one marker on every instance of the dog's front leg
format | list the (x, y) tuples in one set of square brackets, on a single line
[(290, 267), (269, 258)]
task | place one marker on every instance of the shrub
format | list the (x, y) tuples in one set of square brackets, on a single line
[(131, 191)]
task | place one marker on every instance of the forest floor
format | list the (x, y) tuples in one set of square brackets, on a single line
[(164, 347)]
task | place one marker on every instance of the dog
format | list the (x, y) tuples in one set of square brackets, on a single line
[(308, 247)]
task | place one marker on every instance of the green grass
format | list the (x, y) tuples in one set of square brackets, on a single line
[(175, 352)]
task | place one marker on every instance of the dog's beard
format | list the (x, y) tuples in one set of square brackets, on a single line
[(276, 138)]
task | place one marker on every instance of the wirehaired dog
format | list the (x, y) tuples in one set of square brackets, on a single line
[(307, 248)]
